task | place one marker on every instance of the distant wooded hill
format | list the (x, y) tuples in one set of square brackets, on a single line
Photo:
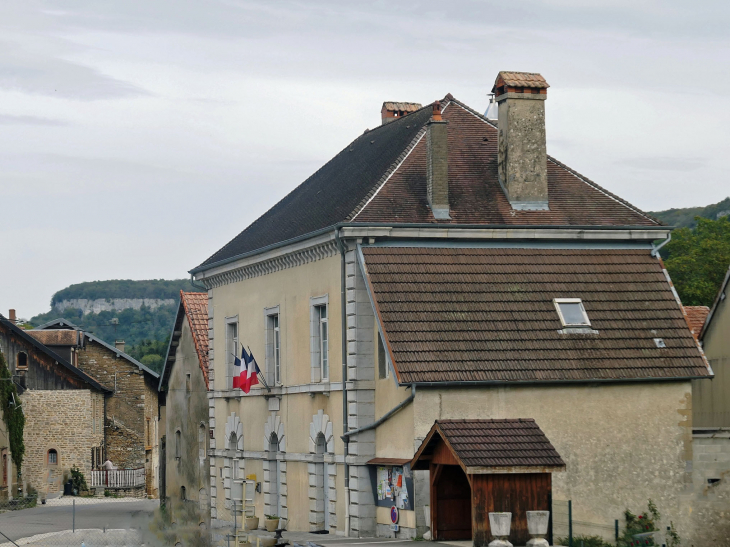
[(145, 329), (685, 218)]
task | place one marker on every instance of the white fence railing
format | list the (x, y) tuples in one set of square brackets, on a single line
[(118, 478)]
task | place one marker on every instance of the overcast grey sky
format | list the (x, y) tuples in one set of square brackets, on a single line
[(138, 137)]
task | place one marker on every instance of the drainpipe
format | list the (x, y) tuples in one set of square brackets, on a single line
[(345, 427), (202, 288), (384, 417), (655, 250)]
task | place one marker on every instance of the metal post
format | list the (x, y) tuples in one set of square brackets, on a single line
[(73, 518), (570, 523)]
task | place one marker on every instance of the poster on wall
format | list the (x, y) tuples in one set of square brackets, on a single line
[(393, 486)]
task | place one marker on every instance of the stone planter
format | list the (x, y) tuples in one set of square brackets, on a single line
[(271, 524), (499, 525), (537, 526), (251, 523)]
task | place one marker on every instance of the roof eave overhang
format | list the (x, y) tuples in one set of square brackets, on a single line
[(481, 470), (445, 230), (479, 383)]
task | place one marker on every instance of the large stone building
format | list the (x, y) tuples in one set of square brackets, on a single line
[(64, 413), (184, 408), (131, 422), (443, 267)]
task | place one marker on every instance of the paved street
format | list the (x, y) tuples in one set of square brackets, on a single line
[(101, 514)]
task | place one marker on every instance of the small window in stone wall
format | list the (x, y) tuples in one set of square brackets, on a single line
[(52, 457), (178, 442), (188, 383)]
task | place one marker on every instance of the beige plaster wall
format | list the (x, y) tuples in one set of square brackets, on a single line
[(711, 403), (247, 299), (622, 444)]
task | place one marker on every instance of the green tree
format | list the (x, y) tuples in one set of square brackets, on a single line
[(697, 260), (12, 414)]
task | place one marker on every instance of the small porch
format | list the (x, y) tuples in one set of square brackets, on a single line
[(482, 466)]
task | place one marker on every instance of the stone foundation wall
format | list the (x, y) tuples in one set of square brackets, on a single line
[(710, 500), (62, 420)]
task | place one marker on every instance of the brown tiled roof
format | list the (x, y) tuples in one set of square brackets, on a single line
[(475, 195), (403, 107), (521, 79), (499, 443), (381, 178), (56, 337), (696, 316), (196, 310), (487, 315)]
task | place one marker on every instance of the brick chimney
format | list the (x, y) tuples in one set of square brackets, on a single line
[(11, 316), (119, 344), (391, 111), (437, 164), (522, 157)]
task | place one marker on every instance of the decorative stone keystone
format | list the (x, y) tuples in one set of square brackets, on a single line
[(537, 526), (499, 524)]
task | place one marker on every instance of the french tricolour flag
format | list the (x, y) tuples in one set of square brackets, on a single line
[(249, 372)]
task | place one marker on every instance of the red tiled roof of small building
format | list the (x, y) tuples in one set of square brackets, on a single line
[(486, 314), (196, 310), (696, 316)]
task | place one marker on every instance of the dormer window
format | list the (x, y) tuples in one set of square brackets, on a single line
[(571, 312)]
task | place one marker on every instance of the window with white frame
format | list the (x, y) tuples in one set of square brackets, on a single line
[(231, 347), (571, 312), (273, 345), (320, 340)]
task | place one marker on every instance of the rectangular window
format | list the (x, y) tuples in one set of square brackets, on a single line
[(188, 383), (383, 371), (571, 312), (272, 321), (231, 348), (323, 339), (277, 349)]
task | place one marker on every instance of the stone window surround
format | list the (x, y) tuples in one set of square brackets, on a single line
[(314, 341), (274, 425), (321, 426), (233, 426), (269, 345), (228, 359)]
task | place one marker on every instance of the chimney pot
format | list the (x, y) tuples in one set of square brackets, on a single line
[(11, 316), (119, 344), (522, 152), (437, 164)]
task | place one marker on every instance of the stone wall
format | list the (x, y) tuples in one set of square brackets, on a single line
[(62, 420), (133, 401)]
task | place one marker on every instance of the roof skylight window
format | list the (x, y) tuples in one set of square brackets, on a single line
[(571, 312)]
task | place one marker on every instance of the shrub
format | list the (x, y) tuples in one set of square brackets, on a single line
[(585, 541)]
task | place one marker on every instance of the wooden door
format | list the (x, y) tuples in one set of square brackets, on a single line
[(453, 515), (516, 493)]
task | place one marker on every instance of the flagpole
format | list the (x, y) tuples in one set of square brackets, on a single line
[(263, 380)]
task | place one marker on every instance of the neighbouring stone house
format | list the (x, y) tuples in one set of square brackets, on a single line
[(131, 420), (63, 408), (443, 267), (185, 474)]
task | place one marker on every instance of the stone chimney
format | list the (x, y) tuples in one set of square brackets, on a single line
[(391, 111), (437, 164), (119, 344), (522, 157), (11, 316)]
